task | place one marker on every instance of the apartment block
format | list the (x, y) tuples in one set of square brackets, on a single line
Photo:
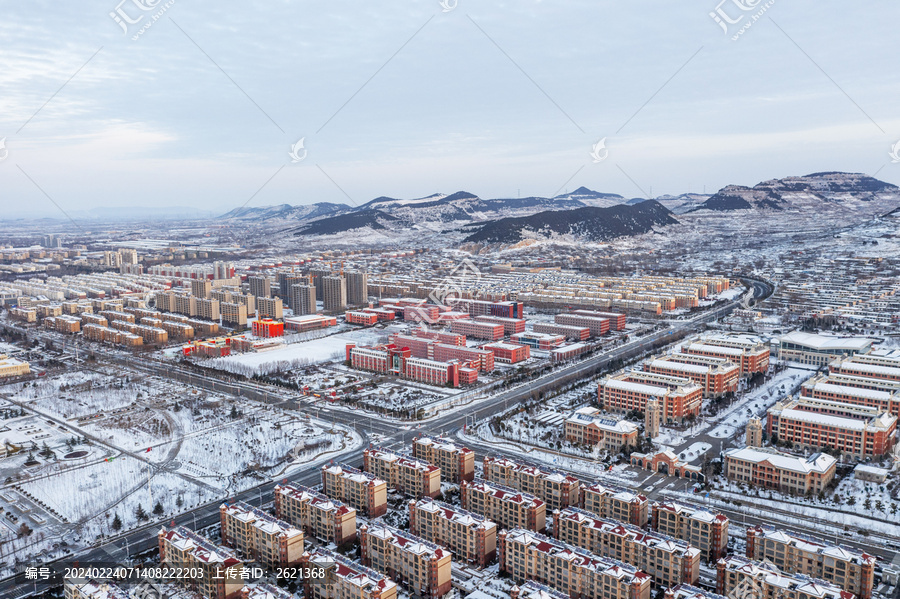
[(351, 580), (556, 489), (765, 581), (857, 431), (260, 287), (441, 337), (403, 473), (617, 504), (302, 299), (477, 330), (270, 307), (526, 555), (469, 536), (511, 326), (267, 328), (357, 288), (361, 490), (771, 469), (334, 293), (326, 519), (753, 357), (508, 507), (859, 391), (703, 528), (570, 332), (715, 379), (616, 320), (678, 397), (259, 536), (587, 426), (504, 309), (596, 324), (457, 463), (850, 569), (422, 566), (201, 288), (668, 560), (233, 313), (855, 366), (181, 547)]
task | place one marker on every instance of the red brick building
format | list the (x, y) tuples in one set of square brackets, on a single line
[(597, 324), (508, 353), (715, 379), (477, 330), (678, 397), (268, 328), (366, 319), (511, 326), (569, 332)]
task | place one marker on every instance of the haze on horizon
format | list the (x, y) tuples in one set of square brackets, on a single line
[(204, 107)]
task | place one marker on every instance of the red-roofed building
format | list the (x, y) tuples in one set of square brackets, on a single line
[(319, 516), (422, 566), (470, 536)]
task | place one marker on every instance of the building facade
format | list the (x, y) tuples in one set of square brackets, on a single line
[(423, 567), (403, 473), (704, 529), (556, 489), (470, 536), (457, 463), (363, 491), (504, 505), (772, 469), (318, 516), (267, 540)]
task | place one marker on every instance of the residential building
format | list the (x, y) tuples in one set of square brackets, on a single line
[(526, 555), (259, 536), (616, 320), (504, 505), (617, 504), (220, 568), (535, 590), (357, 288), (361, 490), (764, 581), (668, 560), (848, 568), (234, 314), (750, 361), (596, 324), (74, 588), (403, 473), (772, 469), (716, 379), (568, 352), (705, 529), (854, 430), (326, 519), (853, 366), (477, 330), (556, 489), (269, 307), (678, 397), (858, 391), (469, 536), (586, 426), (201, 288), (504, 309), (570, 332), (422, 566), (260, 287), (351, 580), (457, 463), (302, 299), (334, 293), (511, 326)]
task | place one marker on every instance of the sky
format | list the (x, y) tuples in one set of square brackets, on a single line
[(205, 106)]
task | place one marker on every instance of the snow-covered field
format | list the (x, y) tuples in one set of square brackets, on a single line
[(326, 349)]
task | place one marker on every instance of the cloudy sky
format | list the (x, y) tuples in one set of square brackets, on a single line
[(405, 99)]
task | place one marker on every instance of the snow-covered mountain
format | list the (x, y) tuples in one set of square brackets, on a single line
[(817, 191), (286, 212)]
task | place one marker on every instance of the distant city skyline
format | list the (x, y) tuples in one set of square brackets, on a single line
[(297, 103)]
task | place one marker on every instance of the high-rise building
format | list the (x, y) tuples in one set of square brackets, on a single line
[(129, 256), (334, 290), (201, 288), (223, 270), (652, 417), (302, 299), (317, 275), (51, 240), (357, 288), (285, 281), (260, 286), (269, 307)]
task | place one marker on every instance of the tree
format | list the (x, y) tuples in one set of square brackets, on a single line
[(117, 523), (179, 501), (140, 513), (158, 509), (867, 504)]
